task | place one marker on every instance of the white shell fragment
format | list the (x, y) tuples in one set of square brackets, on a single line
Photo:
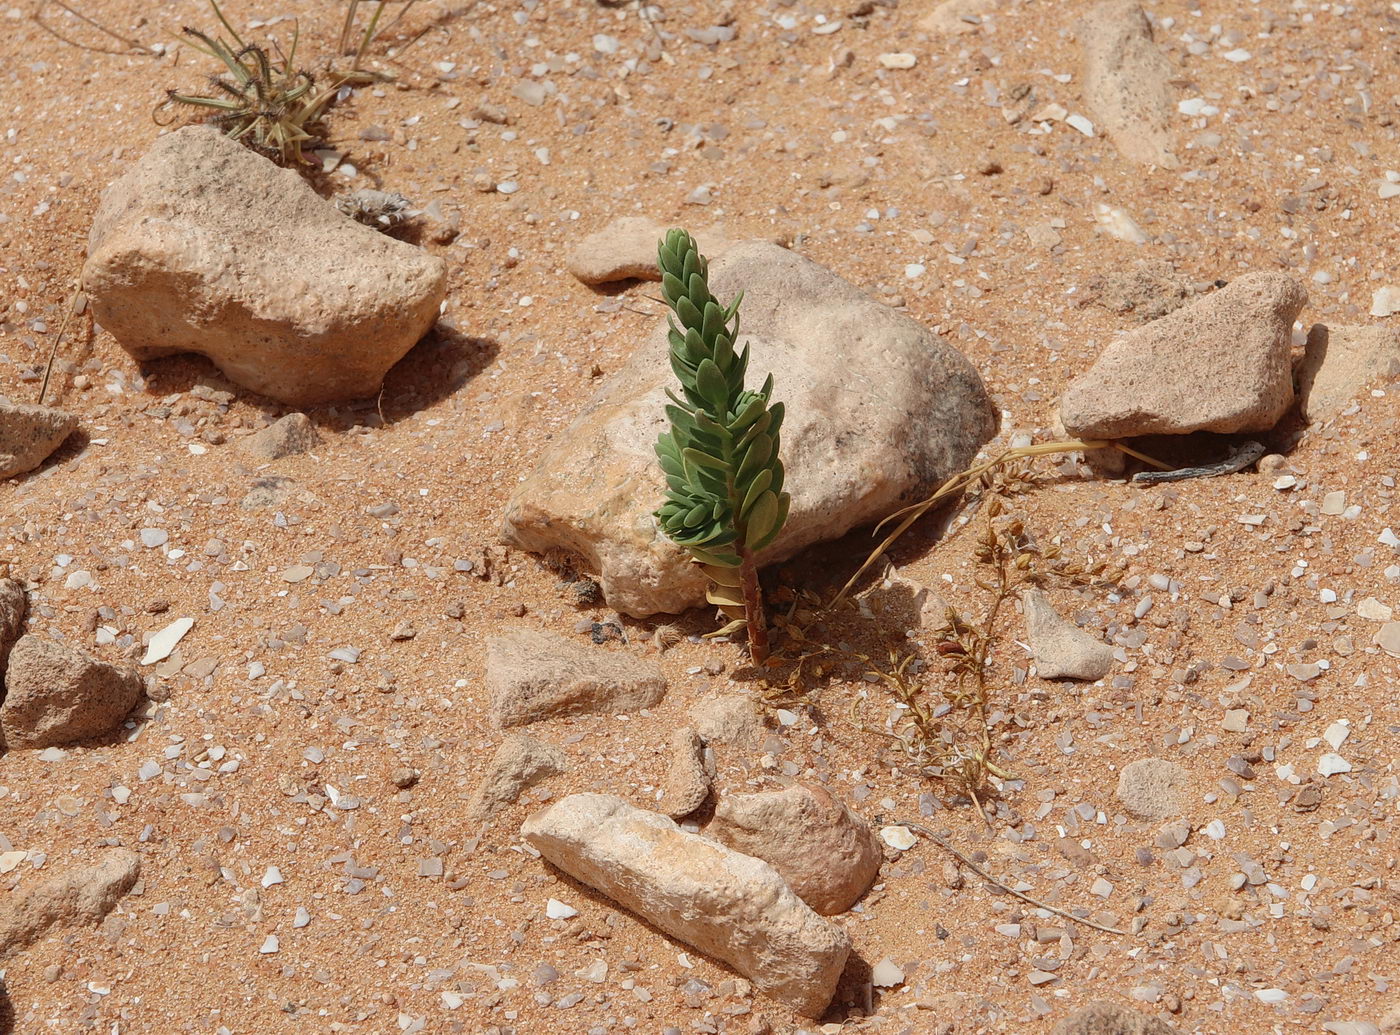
[(901, 839), (163, 643)]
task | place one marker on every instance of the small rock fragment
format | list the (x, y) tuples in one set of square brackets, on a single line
[(886, 974), (160, 645), (29, 435), (80, 895), (728, 719), (519, 763), (293, 434), (1127, 82), (728, 905), (687, 779), (826, 853), (536, 675), (956, 17), (57, 695), (625, 249), (1340, 362), (13, 607), (1111, 1019), (1153, 788), (1061, 649)]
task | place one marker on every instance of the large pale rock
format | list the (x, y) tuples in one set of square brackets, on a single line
[(518, 764), (725, 904), (538, 675), (1339, 363), (79, 895), (625, 249), (29, 434), (1153, 788), (204, 246), (1221, 364), (1127, 82), (13, 605), (56, 695), (826, 853), (1111, 1019), (879, 412), (1061, 649)]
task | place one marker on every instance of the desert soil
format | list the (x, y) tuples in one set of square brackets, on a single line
[(909, 181)]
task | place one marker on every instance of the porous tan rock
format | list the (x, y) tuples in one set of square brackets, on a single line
[(729, 720), (726, 904), (288, 436), (534, 675), (625, 249), (1220, 364), (57, 695), (79, 895), (203, 246), (879, 412), (1111, 1019), (519, 763), (13, 606), (29, 435), (826, 853), (688, 779), (1340, 363), (1127, 82), (1061, 649), (1153, 788)]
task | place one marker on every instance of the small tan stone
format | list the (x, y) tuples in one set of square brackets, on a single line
[(293, 434), (538, 675), (519, 763), (1340, 363), (956, 17), (57, 695), (1127, 82), (1153, 788), (79, 895), (688, 779), (625, 249), (1062, 650), (29, 435)]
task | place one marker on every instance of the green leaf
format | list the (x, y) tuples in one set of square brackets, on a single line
[(756, 457), (694, 456), (748, 413), (761, 519), (783, 501), (717, 558), (710, 383), (698, 513), (689, 314), (756, 489)]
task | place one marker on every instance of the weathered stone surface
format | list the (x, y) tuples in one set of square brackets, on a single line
[(13, 607), (625, 249), (1340, 363), (1220, 364), (1149, 291), (728, 719), (518, 764), (688, 779), (1110, 1019), (956, 17), (728, 905), (204, 246), (901, 603), (293, 434), (29, 435), (1153, 788), (56, 695), (1127, 82), (826, 853), (879, 412), (1062, 650), (79, 895), (538, 675)]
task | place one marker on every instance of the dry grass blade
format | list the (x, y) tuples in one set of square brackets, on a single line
[(131, 44), (962, 858), (77, 304)]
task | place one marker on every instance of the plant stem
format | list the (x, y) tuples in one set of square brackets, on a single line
[(753, 606)]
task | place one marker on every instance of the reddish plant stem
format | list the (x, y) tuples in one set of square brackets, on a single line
[(753, 606)]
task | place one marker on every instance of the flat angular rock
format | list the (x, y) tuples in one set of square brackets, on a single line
[(826, 853), (57, 695), (1340, 363), (1111, 1019), (725, 904), (538, 675), (1062, 650), (289, 436), (518, 764), (79, 895), (688, 779), (204, 246), (625, 249), (29, 435), (13, 607), (1220, 364), (1153, 788), (1127, 82), (879, 412)]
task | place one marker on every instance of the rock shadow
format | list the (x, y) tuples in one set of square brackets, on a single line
[(8, 1023)]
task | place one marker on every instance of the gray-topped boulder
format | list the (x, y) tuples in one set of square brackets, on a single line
[(203, 246), (880, 411), (1221, 364)]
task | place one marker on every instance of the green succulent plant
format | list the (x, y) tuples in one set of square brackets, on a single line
[(724, 498)]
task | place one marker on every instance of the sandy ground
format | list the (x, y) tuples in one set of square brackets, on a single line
[(908, 181)]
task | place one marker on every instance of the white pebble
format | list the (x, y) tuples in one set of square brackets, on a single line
[(271, 877), (898, 60), (270, 945), (1331, 764), (556, 910), (886, 974), (901, 839)]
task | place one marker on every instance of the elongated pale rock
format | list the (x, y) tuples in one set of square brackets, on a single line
[(727, 905), (1127, 82)]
